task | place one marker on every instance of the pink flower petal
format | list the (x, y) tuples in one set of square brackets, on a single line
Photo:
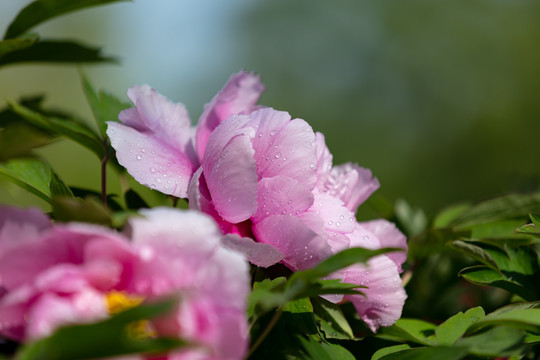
[(154, 114), (281, 195), (238, 96), (385, 295), (230, 172), (284, 147), (151, 161), (260, 254), (350, 183), (302, 247), (20, 225), (324, 158), (389, 236)]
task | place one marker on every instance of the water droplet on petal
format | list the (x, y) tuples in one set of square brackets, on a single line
[(138, 157), (338, 224), (351, 219), (152, 170), (143, 150), (278, 155), (341, 217), (273, 132), (312, 166), (289, 201), (330, 222), (365, 237)]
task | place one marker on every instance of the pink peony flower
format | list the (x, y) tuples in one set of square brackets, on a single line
[(269, 182), (57, 275)]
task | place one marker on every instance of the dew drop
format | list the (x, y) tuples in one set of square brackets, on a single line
[(143, 150), (312, 166), (152, 170), (351, 219), (260, 135), (284, 159), (338, 224), (278, 155), (273, 132), (330, 222), (158, 180), (365, 237), (138, 157), (341, 217)]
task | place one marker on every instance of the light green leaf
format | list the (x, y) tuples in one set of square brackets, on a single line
[(446, 216), (7, 46), (72, 129), (379, 354), (324, 351), (105, 107), (55, 52), (88, 210), (414, 221), (454, 327), (417, 331), (42, 10), (35, 176)]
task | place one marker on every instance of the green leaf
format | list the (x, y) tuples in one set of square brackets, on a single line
[(446, 216), (35, 176), (18, 140), (331, 320), (72, 129), (10, 45), (414, 221), (55, 52), (525, 319), (266, 295), (531, 229), (454, 327), (42, 10), (505, 207), (483, 275), (379, 354), (324, 351), (417, 331), (102, 339), (497, 342), (428, 353), (88, 210), (476, 252), (497, 229), (432, 242), (105, 107)]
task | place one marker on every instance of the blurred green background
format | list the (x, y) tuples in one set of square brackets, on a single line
[(440, 99)]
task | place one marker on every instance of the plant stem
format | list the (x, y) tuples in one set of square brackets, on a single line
[(104, 172), (266, 331)]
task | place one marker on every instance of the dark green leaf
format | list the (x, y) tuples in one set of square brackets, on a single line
[(105, 107), (84, 193), (55, 52), (497, 229), (433, 241), (134, 201), (17, 140), (476, 252), (102, 339), (498, 342), (331, 320), (42, 10), (505, 207), (324, 351), (453, 328), (417, 331), (35, 176), (526, 319), (70, 128), (7, 46), (428, 353), (483, 275)]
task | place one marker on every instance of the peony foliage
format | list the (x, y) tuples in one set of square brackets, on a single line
[(264, 260)]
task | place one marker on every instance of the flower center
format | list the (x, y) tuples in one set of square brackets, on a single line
[(118, 301)]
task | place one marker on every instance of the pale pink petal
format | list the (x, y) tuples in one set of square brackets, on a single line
[(238, 96), (389, 236), (302, 247), (260, 254), (230, 172), (151, 161), (385, 295), (20, 225), (281, 195), (350, 183), (284, 147), (336, 217), (324, 159), (155, 115)]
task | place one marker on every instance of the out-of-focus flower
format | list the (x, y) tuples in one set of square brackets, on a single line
[(52, 276), (269, 182)]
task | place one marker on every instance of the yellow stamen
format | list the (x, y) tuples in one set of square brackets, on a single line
[(118, 301)]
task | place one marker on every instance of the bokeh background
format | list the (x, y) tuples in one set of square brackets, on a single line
[(440, 99)]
